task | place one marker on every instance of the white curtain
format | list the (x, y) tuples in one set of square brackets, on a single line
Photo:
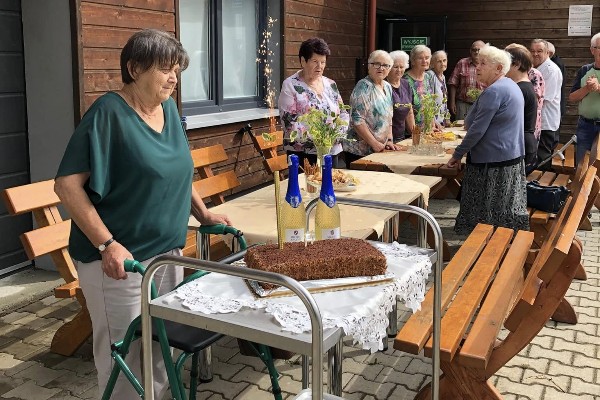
[(194, 26), (240, 70)]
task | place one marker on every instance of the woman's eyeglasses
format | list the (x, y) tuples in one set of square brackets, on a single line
[(380, 65)]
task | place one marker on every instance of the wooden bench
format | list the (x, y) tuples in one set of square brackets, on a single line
[(490, 282), (272, 161), (52, 237), (210, 186), (567, 165)]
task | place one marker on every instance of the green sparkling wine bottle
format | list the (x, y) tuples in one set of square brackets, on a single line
[(327, 217), (293, 213)]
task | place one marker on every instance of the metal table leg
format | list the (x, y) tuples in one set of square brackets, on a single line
[(305, 372), (421, 225), (334, 368)]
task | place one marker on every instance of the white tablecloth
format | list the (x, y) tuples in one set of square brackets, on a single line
[(362, 313)]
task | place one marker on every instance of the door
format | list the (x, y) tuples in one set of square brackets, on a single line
[(398, 32), (14, 158)]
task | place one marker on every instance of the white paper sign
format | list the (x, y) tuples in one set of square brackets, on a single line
[(580, 20)]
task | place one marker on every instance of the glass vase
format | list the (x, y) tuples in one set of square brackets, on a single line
[(322, 151)]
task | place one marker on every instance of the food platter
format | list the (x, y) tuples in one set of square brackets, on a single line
[(342, 181)]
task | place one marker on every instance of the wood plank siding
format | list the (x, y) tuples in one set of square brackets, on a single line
[(341, 23), (503, 22)]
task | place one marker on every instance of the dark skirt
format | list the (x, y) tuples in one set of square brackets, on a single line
[(495, 196)]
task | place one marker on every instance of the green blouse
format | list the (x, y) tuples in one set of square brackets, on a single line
[(140, 180)]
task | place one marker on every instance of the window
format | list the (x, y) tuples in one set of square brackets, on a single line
[(222, 38)]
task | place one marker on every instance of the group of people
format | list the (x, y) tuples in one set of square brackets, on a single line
[(508, 107)]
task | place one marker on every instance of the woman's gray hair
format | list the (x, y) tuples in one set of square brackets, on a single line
[(496, 56), (380, 53), (437, 54), (151, 47), (417, 50), (399, 55), (595, 40)]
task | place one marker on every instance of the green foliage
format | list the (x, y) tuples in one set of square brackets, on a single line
[(429, 109), (473, 93), (324, 128)]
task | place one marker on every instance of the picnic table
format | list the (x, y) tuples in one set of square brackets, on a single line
[(408, 162)]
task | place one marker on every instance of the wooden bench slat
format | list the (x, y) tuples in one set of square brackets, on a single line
[(26, 198), (569, 161), (417, 329), (534, 175), (539, 217), (278, 163), (216, 184), (208, 155), (576, 213), (477, 348), (561, 180), (547, 178), (67, 291), (46, 239), (458, 317), (265, 144)]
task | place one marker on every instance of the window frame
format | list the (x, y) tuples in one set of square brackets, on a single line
[(215, 42)]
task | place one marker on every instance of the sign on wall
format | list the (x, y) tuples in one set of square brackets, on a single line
[(580, 20), (407, 43)]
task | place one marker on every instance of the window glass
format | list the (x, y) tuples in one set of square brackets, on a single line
[(240, 70), (194, 32)]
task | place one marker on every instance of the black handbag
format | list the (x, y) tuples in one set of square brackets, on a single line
[(546, 198)]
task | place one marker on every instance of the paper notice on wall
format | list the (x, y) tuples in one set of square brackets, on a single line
[(580, 20)]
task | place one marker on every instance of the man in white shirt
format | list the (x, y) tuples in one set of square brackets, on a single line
[(551, 109)]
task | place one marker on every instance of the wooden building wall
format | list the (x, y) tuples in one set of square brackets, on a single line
[(341, 23), (103, 26), (501, 22)]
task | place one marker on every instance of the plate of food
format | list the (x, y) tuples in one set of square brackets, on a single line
[(342, 181)]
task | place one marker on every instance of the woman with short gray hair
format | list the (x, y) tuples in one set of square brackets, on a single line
[(403, 120), (371, 113), (493, 187), (421, 83), (439, 64), (126, 181)]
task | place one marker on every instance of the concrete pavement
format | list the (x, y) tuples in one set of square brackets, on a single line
[(562, 363)]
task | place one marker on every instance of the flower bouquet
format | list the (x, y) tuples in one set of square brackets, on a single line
[(321, 127)]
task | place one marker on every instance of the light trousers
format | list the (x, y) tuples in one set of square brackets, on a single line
[(462, 109), (113, 304)]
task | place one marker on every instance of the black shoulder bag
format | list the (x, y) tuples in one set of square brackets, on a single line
[(546, 198)]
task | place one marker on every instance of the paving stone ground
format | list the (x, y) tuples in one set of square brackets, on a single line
[(561, 363)]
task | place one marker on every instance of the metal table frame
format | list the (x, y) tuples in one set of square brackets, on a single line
[(425, 217), (225, 323)]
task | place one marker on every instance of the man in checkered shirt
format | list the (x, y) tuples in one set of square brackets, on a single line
[(463, 87)]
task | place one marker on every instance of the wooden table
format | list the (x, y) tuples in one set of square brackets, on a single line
[(403, 162), (254, 213)]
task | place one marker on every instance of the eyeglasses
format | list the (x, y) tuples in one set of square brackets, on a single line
[(380, 65)]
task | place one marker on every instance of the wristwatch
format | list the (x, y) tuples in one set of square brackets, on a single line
[(104, 245)]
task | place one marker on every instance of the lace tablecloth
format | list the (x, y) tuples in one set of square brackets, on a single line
[(362, 313)]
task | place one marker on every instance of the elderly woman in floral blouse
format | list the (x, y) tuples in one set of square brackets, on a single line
[(371, 111), (307, 89)]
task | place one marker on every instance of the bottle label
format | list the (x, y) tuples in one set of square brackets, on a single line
[(294, 235), (293, 201), (331, 233), (327, 199)]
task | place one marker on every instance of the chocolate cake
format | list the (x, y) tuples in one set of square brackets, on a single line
[(324, 259)]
